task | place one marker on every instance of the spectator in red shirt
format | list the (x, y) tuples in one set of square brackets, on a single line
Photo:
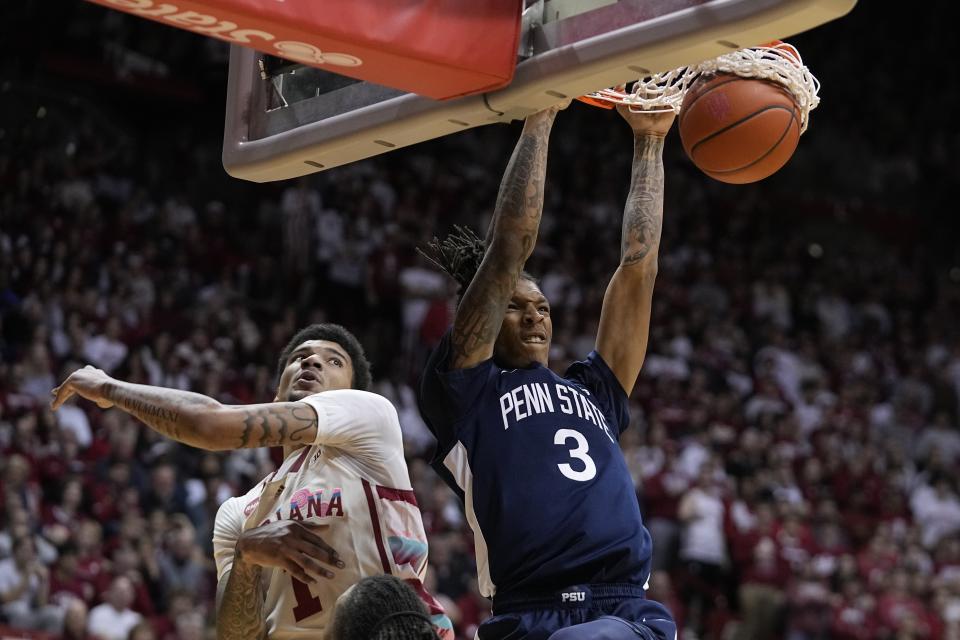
[(88, 536), (795, 538), (854, 614), (66, 582), (473, 608), (879, 557), (59, 517), (809, 603), (660, 495), (764, 573), (900, 610)]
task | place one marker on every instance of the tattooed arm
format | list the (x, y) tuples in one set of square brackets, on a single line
[(192, 418), (240, 588), (288, 545), (625, 316), (240, 597), (510, 240)]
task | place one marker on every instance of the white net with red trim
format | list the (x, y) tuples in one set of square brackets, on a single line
[(778, 62)]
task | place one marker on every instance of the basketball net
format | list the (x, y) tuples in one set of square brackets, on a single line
[(777, 62)]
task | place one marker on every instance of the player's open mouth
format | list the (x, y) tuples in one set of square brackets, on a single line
[(534, 339), (307, 377)]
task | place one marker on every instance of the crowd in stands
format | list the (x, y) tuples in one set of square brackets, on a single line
[(796, 433)]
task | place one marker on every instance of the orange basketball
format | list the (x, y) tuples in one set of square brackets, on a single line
[(738, 130)]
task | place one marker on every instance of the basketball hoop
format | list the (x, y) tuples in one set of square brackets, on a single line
[(657, 93), (776, 62)]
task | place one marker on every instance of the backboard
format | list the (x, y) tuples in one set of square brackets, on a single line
[(286, 120)]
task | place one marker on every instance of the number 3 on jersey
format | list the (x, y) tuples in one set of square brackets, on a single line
[(579, 452)]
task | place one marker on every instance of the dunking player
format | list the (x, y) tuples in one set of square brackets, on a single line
[(559, 539), (338, 509)]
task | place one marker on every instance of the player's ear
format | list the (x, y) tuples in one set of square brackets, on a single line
[(343, 596)]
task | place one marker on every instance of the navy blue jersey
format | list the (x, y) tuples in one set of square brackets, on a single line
[(536, 459)]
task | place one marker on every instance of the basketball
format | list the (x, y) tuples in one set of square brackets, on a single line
[(738, 130)]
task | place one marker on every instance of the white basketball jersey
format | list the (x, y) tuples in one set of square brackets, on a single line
[(353, 479)]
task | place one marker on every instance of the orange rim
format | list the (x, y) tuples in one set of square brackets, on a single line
[(786, 47), (595, 102)]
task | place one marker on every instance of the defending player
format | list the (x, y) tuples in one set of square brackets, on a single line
[(560, 543), (339, 508), (381, 608)]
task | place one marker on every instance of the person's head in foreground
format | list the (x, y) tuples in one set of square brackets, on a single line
[(381, 608), (321, 357)]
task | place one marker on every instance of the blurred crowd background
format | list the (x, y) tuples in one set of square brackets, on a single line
[(795, 442)]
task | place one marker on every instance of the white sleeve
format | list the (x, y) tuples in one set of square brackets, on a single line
[(227, 527), (8, 579), (363, 424)]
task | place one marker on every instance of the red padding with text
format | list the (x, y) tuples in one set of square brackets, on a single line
[(436, 48)]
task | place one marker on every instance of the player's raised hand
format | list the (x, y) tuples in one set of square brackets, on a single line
[(656, 123), (291, 545), (88, 383), (547, 114)]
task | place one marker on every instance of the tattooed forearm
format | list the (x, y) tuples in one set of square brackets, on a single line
[(643, 214), (162, 419), (511, 198), (203, 422), (520, 185), (521, 190), (240, 604), (163, 410)]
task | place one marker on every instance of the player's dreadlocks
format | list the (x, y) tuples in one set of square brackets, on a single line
[(459, 255), (382, 608)]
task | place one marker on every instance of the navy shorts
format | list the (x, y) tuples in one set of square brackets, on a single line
[(588, 612)]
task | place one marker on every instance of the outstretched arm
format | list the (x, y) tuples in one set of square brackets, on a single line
[(195, 419), (625, 317), (512, 235)]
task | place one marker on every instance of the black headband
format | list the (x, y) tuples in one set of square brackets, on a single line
[(398, 614)]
